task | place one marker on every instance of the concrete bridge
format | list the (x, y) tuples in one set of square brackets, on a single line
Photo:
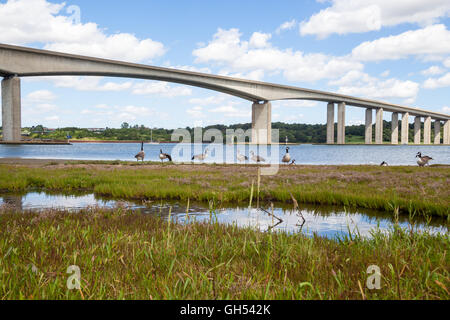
[(17, 62)]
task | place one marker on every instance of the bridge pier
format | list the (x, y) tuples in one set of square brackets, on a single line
[(427, 130), (394, 131), (417, 129), (11, 109), (330, 123), (262, 123), (405, 128), (446, 132), (379, 126), (437, 131), (341, 123), (368, 131)]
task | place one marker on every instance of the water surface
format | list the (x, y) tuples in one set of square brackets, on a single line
[(303, 154), (321, 220)]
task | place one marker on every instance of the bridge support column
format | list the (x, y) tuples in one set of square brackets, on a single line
[(427, 130), (446, 137), (379, 127), (330, 123), (405, 128), (417, 128), (11, 109), (262, 123), (341, 123), (394, 131), (437, 131), (368, 132)]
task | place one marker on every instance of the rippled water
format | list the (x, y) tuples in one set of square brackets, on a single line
[(303, 154), (321, 220)]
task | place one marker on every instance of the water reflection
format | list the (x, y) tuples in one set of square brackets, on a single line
[(325, 221)]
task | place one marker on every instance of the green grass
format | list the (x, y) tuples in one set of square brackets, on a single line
[(126, 255), (423, 191)]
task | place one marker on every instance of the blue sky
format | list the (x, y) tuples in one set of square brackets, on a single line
[(395, 51)]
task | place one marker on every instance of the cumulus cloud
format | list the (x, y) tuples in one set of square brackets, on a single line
[(447, 63), (39, 21), (119, 114), (212, 100), (196, 112), (430, 41), (433, 70), (232, 111), (434, 83), (87, 83), (40, 96), (360, 84), (162, 88), (349, 16), (227, 49), (260, 40), (288, 25)]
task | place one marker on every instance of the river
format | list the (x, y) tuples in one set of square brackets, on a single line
[(218, 153)]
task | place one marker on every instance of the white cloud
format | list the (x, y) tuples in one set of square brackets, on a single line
[(447, 62), (87, 83), (433, 70), (362, 85), (40, 96), (52, 118), (236, 55), (385, 74), (294, 104), (196, 112), (38, 21), (119, 114), (231, 111), (208, 100), (434, 83), (260, 40), (288, 25), (430, 41), (162, 88), (349, 16), (446, 109)]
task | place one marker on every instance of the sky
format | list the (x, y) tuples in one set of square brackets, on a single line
[(393, 51)]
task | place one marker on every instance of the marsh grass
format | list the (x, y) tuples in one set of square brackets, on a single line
[(127, 255), (423, 190)]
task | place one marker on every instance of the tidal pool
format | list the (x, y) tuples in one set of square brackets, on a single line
[(321, 220)]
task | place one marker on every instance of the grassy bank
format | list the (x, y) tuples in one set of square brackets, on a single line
[(134, 256), (411, 189)]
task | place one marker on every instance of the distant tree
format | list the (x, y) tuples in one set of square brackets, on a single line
[(125, 125)]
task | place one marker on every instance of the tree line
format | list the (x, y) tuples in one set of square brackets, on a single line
[(295, 133)]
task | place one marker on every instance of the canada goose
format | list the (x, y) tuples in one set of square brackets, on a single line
[(422, 160), (141, 154), (201, 157), (164, 156), (257, 158), (292, 162), (384, 164), (287, 157), (241, 157)]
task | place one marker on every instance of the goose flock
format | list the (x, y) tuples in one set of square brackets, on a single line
[(287, 159)]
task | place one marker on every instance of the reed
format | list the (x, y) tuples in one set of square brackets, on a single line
[(125, 255), (423, 190)]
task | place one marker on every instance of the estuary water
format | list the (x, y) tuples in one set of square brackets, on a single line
[(218, 153), (324, 221)]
